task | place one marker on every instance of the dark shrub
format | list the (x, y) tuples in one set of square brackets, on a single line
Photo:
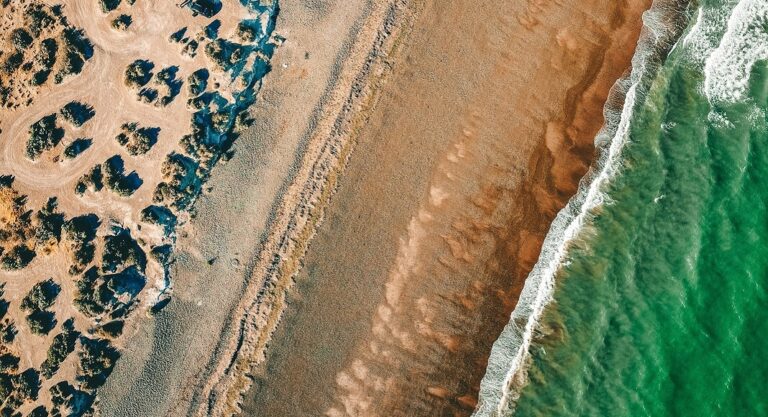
[(49, 223), (109, 5), (28, 384), (75, 42), (41, 296), (223, 53), (93, 180), (148, 95), (62, 345), (247, 30), (112, 329), (78, 233), (13, 62), (138, 73), (121, 250), (90, 297), (177, 36), (77, 147), (113, 170), (41, 322), (6, 386), (161, 216), (17, 258), (44, 135), (73, 64), (162, 253), (76, 401), (81, 228), (21, 39), (40, 411), (7, 331), (97, 359), (40, 77), (137, 140), (77, 113), (77, 49), (122, 22), (46, 55), (9, 362), (197, 82), (38, 18)]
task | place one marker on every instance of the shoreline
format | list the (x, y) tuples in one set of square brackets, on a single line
[(562, 156), (506, 375)]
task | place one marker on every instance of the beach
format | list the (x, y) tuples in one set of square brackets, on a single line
[(657, 290), (451, 187), (429, 159)]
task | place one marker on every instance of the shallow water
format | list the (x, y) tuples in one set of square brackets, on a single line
[(659, 309)]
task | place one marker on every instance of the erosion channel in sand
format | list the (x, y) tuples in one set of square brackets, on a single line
[(478, 138)]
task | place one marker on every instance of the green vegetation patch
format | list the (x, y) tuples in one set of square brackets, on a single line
[(109, 5), (97, 359), (17, 258), (77, 147), (44, 135), (41, 296), (78, 235), (137, 140), (77, 113), (138, 73), (122, 22), (62, 345)]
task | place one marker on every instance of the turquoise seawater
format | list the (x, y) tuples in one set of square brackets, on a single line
[(661, 308)]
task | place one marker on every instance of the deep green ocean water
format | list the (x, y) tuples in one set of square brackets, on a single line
[(661, 308)]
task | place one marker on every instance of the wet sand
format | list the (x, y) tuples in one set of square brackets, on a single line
[(480, 136)]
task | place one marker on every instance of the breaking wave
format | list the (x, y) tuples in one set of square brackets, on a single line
[(508, 363), (745, 42)]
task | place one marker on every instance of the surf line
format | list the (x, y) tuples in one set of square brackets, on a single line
[(507, 371)]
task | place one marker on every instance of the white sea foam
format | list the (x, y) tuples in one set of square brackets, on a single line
[(745, 42), (540, 284), (704, 35), (507, 371)]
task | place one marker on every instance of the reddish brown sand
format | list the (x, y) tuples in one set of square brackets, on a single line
[(481, 135)]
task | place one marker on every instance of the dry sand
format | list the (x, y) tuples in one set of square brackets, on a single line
[(169, 355), (480, 137)]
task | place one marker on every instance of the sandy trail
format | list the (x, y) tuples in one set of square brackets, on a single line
[(101, 85)]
